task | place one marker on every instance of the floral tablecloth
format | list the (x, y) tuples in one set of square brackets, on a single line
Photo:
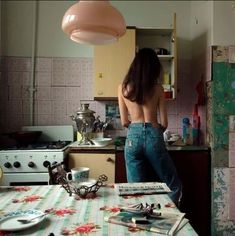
[(71, 215)]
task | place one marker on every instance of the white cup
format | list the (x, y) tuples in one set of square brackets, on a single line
[(79, 174)]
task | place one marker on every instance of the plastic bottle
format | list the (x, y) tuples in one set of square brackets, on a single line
[(195, 125), (187, 132)]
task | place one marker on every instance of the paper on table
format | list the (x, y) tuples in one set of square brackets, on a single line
[(141, 188), (163, 222)]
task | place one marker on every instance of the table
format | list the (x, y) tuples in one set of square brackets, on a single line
[(69, 215)]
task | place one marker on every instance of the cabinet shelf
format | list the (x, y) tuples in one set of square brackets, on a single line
[(165, 57), (112, 61)]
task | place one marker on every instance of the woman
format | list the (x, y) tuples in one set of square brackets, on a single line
[(141, 101)]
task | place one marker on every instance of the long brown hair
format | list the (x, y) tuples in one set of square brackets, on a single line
[(142, 75)]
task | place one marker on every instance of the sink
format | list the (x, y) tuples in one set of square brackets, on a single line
[(76, 144)]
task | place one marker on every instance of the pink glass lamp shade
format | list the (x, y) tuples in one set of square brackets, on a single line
[(93, 22)]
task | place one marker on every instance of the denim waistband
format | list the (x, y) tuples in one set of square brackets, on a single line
[(139, 125)]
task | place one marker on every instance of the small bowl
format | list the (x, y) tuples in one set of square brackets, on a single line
[(101, 142)]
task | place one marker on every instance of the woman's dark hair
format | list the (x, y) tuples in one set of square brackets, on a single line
[(143, 74)]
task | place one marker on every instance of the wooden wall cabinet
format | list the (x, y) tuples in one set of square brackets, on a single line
[(159, 39), (111, 63), (99, 163)]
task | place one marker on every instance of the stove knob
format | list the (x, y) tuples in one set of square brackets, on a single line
[(16, 164), (7, 165), (46, 163), (54, 163), (31, 164)]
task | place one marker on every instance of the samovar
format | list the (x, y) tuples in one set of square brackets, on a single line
[(84, 120)]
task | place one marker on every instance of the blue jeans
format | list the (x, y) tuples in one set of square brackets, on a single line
[(145, 147)]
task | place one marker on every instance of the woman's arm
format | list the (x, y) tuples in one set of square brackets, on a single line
[(162, 108), (122, 108)]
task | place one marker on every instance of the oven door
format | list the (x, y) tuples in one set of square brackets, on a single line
[(25, 179)]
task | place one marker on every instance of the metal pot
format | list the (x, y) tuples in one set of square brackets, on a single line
[(25, 137), (84, 120)]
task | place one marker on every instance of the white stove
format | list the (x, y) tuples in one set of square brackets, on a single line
[(27, 164)]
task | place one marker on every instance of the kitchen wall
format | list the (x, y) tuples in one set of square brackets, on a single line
[(63, 75), (220, 78), (63, 72)]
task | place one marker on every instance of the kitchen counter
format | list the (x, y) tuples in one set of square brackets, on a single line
[(76, 147)]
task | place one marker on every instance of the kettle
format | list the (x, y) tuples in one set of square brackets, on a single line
[(84, 119)]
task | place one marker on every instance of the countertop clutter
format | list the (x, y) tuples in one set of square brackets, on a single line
[(71, 215), (75, 145)]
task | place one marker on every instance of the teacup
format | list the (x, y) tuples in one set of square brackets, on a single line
[(79, 174)]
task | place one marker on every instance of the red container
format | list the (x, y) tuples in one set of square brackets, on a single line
[(168, 94)]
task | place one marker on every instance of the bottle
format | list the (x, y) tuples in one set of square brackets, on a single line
[(187, 132), (195, 125)]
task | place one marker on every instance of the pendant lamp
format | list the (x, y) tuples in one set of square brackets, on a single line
[(93, 22)]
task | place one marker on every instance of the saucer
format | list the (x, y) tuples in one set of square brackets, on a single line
[(8, 222)]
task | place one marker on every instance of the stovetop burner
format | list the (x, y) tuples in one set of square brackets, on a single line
[(40, 145)]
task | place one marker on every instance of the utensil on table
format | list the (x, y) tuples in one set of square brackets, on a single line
[(29, 220)]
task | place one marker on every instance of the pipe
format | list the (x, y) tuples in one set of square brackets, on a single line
[(32, 88)]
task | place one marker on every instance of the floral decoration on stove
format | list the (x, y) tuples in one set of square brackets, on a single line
[(61, 211), (21, 188), (110, 209), (31, 198), (81, 229)]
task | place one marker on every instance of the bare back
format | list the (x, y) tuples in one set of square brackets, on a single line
[(131, 112)]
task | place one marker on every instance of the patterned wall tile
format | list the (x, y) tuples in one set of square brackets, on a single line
[(15, 122), (25, 92), (18, 64), (171, 107), (25, 77), (43, 78), (15, 92), (14, 78), (87, 79), (26, 120), (62, 119), (14, 107), (43, 64), (58, 93), (59, 78), (72, 107), (59, 107), (60, 64), (43, 93), (26, 106), (172, 124), (44, 119), (73, 93), (71, 80), (44, 107)]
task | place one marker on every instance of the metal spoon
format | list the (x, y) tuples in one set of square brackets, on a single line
[(29, 220)]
